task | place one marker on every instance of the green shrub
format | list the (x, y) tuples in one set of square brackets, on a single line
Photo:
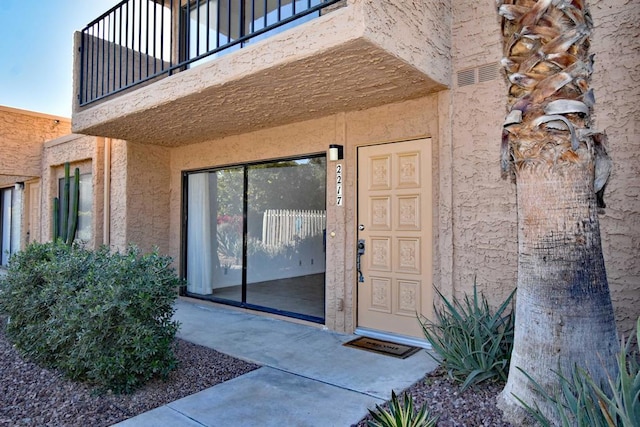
[(401, 414), (473, 343), (97, 316), (581, 402)]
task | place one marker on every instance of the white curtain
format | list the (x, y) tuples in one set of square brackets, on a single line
[(199, 244)]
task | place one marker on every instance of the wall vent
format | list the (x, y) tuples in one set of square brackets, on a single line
[(466, 77), (487, 72), (481, 74)]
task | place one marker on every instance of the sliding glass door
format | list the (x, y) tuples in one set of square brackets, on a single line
[(214, 233), (255, 236)]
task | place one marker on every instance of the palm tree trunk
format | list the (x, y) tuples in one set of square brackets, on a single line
[(564, 314)]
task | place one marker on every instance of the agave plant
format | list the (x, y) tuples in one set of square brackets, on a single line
[(401, 414), (624, 403), (473, 342), (582, 402)]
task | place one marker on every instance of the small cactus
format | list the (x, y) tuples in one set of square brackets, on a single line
[(65, 226)]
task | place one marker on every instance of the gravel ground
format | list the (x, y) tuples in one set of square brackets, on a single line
[(474, 407), (33, 396)]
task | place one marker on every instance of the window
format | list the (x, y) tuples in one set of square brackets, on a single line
[(85, 206)]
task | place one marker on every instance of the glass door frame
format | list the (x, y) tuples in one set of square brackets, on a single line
[(6, 224), (245, 202)]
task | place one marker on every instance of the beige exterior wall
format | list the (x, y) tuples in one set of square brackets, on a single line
[(616, 82), (484, 215), (22, 135), (118, 198), (373, 126), (474, 213), (130, 189), (417, 31), (148, 191)]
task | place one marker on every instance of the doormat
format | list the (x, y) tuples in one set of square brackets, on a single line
[(400, 351)]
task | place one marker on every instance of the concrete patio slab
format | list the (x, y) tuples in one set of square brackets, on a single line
[(269, 397), (307, 378), (301, 349), (162, 416)]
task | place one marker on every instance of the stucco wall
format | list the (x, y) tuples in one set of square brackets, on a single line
[(484, 214), (419, 118), (148, 191), (22, 134), (484, 218), (118, 195), (136, 195), (474, 209), (417, 31), (616, 82)]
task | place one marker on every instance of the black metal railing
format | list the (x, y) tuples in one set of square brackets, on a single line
[(138, 41)]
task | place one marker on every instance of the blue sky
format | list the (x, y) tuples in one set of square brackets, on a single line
[(36, 51)]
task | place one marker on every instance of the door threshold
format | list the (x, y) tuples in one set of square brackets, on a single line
[(212, 303), (397, 338)]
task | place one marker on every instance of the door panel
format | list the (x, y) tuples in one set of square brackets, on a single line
[(394, 215)]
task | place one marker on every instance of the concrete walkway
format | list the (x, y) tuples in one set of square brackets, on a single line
[(307, 378)]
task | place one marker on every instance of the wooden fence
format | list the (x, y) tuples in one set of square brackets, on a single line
[(285, 227)]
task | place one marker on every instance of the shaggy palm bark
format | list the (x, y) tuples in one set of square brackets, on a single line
[(564, 314)]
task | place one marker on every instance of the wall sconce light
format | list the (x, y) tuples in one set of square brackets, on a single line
[(336, 152), (19, 186)]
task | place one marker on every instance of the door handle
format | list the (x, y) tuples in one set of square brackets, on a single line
[(361, 247)]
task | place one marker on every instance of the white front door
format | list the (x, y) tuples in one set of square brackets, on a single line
[(395, 225)]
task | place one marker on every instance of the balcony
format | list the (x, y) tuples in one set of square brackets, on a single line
[(171, 72)]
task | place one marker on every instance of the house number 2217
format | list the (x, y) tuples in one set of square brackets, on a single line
[(338, 184)]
